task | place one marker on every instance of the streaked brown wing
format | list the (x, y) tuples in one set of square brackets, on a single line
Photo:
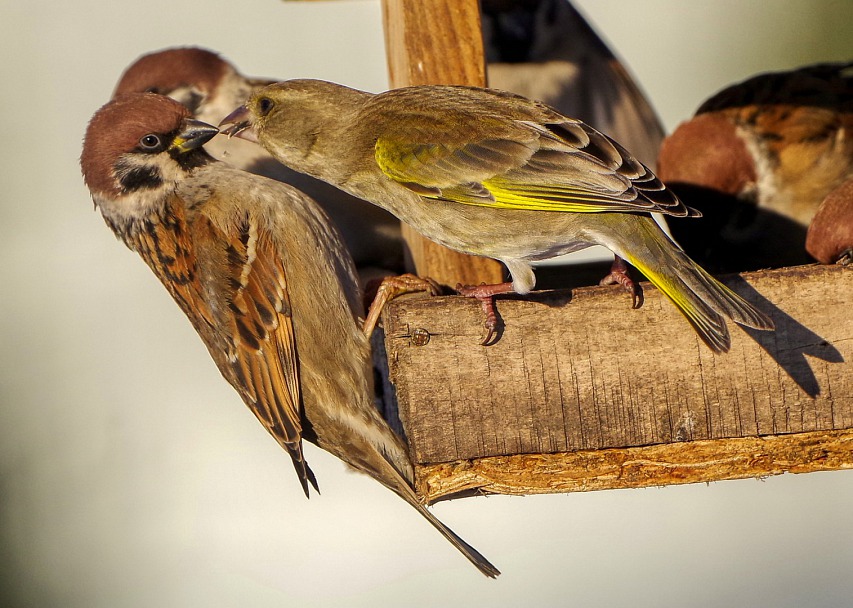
[(255, 317), (166, 246), (233, 289)]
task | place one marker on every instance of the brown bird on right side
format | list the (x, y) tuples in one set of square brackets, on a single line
[(757, 160), (830, 236)]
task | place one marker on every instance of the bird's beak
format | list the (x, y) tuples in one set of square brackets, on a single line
[(240, 125), (194, 135)]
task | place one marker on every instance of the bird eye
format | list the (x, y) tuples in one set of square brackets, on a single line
[(265, 104), (150, 142), (152, 90)]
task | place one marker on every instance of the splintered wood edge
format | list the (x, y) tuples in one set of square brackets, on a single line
[(638, 467)]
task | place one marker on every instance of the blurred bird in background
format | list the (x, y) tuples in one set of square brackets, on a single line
[(757, 160), (546, 50), (210, 87), (830, 236)]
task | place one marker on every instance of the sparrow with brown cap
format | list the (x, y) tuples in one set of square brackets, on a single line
[(262, 276)]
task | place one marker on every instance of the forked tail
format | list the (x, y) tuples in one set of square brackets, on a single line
[(701, 298)]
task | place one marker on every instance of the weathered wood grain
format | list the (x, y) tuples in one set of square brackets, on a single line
[(438, 42), (581, 371), (434, 42), (654, 465)]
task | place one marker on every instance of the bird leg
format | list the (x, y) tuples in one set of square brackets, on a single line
[(381, 291), (486, 295), (619, 274)]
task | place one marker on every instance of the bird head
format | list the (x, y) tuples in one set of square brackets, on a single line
[(204, 82), (136, 149), (289, 117), (187, 75)]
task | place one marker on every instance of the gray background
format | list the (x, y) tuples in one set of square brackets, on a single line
[(131, 474)]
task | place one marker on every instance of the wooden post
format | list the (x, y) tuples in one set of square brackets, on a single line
[(438, 42), (581, 392)]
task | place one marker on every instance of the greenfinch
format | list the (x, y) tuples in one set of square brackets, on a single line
[(492, 174)]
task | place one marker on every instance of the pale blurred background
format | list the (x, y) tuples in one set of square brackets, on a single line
[(132, 475)]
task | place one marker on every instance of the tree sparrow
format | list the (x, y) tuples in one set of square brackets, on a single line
[(264, 279)]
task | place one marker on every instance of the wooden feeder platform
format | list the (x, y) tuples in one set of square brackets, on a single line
[(581, 392)]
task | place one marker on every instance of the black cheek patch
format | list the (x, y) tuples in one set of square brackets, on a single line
[(190, 160), (141, 178)]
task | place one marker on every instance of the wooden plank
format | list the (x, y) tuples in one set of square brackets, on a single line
[(438, 42), (580, 370)]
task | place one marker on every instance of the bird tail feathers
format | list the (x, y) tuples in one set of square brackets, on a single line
[(385, 472), (474, 556), (701, 298)]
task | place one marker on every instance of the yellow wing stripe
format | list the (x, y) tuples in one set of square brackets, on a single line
[(544, 198), (540, 198)]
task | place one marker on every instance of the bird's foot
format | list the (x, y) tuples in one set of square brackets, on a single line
[(619, 275), (486, 295), (381, 291)]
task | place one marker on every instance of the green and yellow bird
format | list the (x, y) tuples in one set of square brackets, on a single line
[(492, 174)]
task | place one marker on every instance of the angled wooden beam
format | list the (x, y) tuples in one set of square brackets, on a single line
[(581, 392), (438, 42)]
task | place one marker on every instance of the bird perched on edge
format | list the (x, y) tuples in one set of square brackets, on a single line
[(264, 279), (758, 159), (493, 174), (211, 87)]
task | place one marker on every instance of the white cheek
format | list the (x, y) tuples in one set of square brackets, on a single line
[(232, 91), (130, 207)]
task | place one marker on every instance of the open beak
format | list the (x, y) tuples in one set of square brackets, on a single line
[(194, 135), (240, 126)]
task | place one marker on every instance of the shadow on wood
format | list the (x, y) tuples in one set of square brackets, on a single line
[(577, 373)]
